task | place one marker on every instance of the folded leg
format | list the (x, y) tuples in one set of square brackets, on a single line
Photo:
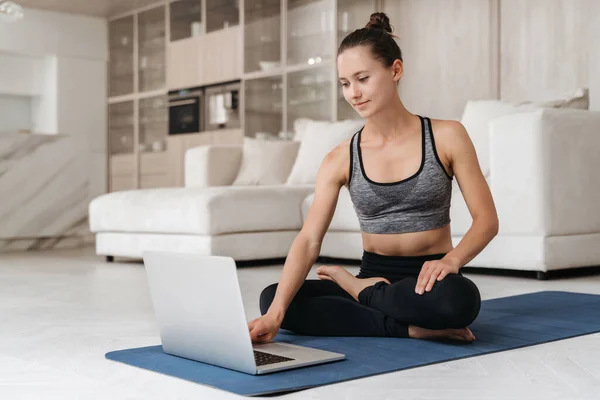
[(322, 308), (454, 302)]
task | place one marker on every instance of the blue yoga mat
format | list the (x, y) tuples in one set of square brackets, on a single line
[(503, 324)]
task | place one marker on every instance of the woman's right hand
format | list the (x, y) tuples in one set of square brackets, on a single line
[(263, 329)]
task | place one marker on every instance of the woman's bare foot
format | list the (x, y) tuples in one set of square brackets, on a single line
[(346, 280), (463, 334)]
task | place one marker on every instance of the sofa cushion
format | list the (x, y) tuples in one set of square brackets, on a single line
[(266, 162), (318, 139), (476, 118), (299, 128), (344, 218), (478, 114), (200, 211)]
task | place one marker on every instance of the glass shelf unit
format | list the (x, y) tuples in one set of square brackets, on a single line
[(120, 128), (121, 58), (185, 19), (309, 95), (262, 35), (352, 15), (153, 124), (309, 31), (221, 14), (263, 106), (151, 49)]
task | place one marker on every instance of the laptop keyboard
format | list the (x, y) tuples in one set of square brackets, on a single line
[(266, 358)]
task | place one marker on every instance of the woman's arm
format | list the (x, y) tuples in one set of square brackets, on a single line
[(459, 150), (477, 195), (306, 248)]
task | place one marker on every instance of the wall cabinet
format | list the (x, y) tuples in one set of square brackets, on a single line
[(121, 65), (151, 33), (289, 61), (185, 19), (121, 146), (222, 14), (221, 57), (184, 66), (122, 172), (284, 53), (204, 60), (154, 50)]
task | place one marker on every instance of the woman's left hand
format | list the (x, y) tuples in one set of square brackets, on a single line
[(433, 271)]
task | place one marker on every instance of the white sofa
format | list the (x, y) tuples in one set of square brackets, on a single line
[(541, 169)]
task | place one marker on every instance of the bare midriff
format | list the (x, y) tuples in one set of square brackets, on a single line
[(435, 241)]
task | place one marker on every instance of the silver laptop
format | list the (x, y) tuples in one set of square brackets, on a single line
[(199, 311)]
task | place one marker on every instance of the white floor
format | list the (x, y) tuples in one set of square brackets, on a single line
[(61, 311)]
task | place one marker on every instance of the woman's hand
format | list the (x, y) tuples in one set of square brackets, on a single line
[(263, 329), (432, 271)]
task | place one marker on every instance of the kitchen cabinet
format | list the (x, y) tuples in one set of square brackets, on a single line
[(184, 63), (290, 61)]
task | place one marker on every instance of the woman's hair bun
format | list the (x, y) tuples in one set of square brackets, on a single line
[(379, 20)]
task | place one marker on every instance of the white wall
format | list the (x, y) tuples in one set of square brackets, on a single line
[(514, 50), (549, 48), (81, 99), (60, 60), (448, 52), (45, 105), (20, 74), (15, 113), (42, 33)]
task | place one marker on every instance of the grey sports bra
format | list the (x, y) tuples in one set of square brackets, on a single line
[(418, 203)]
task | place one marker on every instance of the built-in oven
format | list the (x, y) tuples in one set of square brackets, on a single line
[(221, 106), (186, 111)]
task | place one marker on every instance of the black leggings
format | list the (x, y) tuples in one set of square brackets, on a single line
[(322, 308)]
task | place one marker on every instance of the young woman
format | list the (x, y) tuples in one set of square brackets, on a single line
[(398, 169)]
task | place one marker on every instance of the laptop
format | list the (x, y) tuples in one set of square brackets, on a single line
[(200, 315)]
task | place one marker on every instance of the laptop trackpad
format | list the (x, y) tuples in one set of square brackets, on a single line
[(277, 348)]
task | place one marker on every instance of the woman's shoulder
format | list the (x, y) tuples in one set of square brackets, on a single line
[(447, 126), (447, 132), (340, 153), (450, 137), (337, 159)]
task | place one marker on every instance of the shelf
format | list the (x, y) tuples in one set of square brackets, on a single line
[(221, 6), (263, 92), (308, 67), (308, 101), (264, 74), (261, 112), (192, 14), (263, 44), (311, 89), (157, 40)]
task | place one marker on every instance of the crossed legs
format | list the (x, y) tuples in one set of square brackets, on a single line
[(341, 305)]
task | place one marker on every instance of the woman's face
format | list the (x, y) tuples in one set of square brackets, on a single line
[(368, 86)]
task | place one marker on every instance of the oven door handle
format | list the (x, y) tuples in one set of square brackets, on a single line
[(182, 102)]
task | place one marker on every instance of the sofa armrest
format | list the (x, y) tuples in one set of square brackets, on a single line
[(544, 175), (213, 165)]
